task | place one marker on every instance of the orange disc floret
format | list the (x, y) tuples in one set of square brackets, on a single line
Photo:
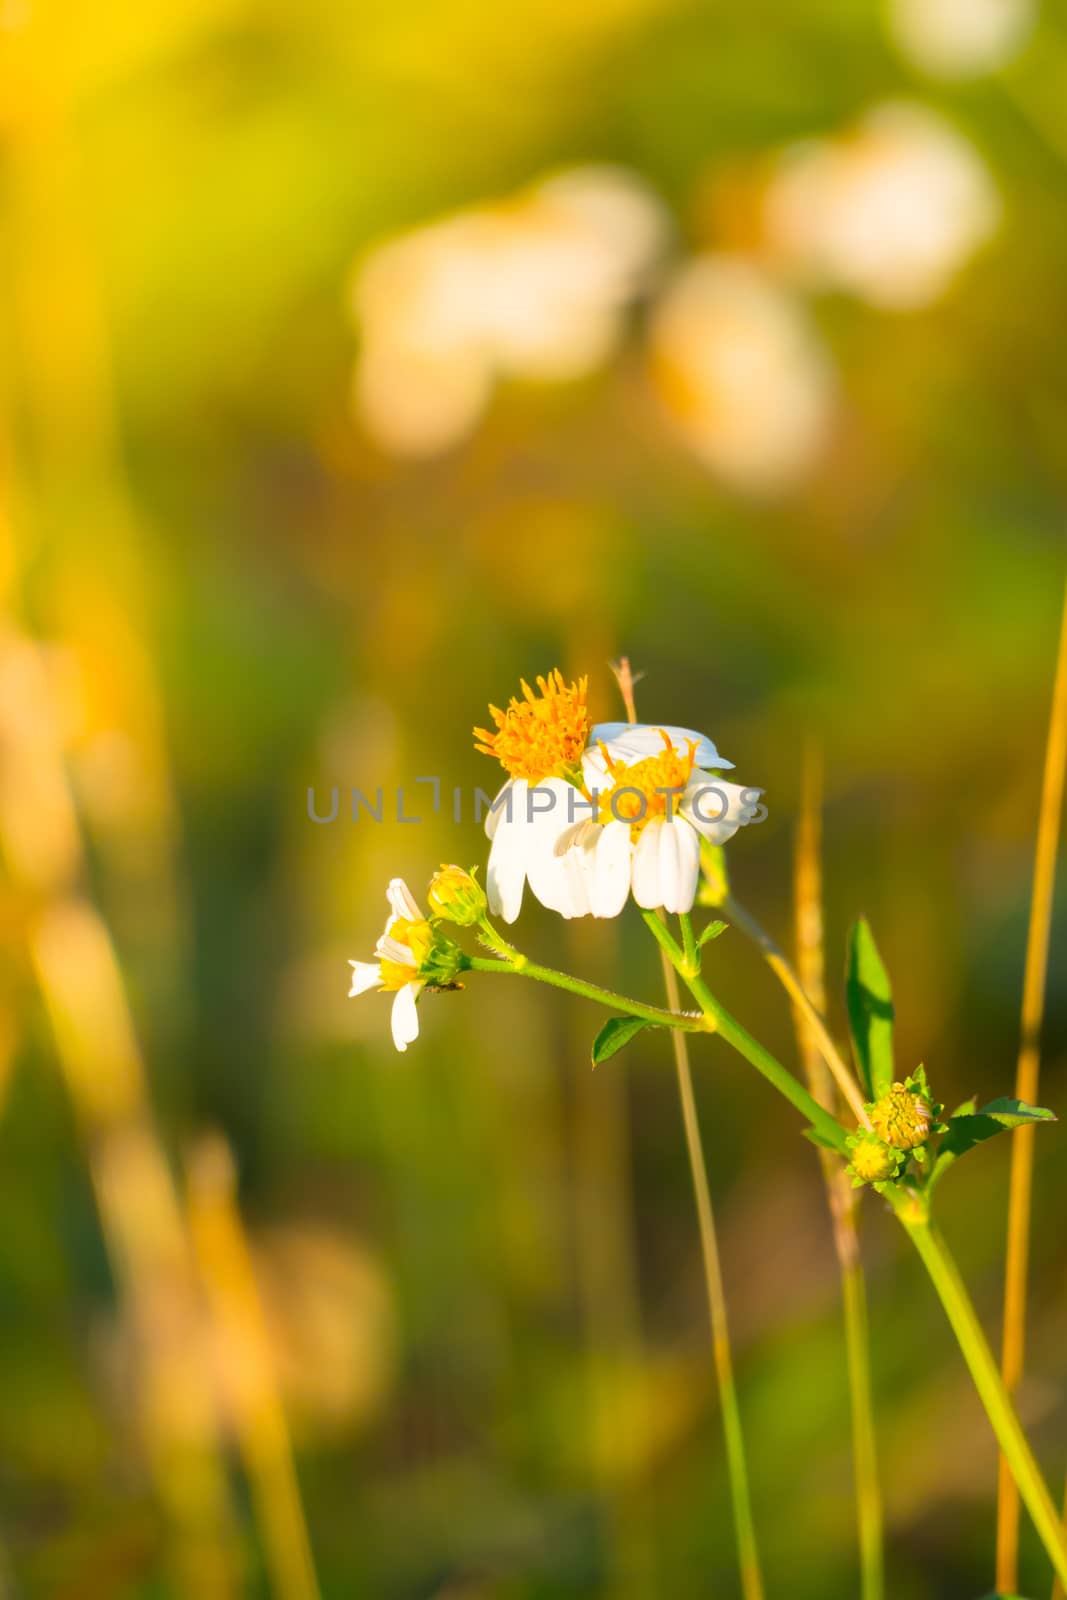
[(542, 734), (646, 783)]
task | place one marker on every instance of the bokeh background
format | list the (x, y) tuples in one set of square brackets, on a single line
[(355, 361)]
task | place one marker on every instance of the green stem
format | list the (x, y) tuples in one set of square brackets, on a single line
[(689, 943), (826, 1125), (945, 1276), (733, 1436), (865, 1458), (521, 966)]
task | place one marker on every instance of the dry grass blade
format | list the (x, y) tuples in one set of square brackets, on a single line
[(1026, 1088)]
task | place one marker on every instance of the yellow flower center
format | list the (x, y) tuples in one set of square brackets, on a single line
[(641, 790), (417, 937), (540, 735)]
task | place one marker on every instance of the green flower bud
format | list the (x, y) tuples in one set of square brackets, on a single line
[(872, 1161), (457, 896)]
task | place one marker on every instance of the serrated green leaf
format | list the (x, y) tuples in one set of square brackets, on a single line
[(870, 1011), (712, 931), (969, 1128), (615, 1033)]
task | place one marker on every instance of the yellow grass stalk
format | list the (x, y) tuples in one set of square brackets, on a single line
[(251, 1383), (1026, 1088)]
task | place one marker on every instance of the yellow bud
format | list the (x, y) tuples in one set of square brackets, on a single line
[(457, 896), (872, 1162), (901, 1118)]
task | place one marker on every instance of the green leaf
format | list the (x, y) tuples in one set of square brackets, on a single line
[(616, 1032), (821, 1140), (969, 1128), (712, 931), (870, 1011)]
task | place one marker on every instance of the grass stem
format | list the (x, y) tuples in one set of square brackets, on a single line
[(1026, 1088)]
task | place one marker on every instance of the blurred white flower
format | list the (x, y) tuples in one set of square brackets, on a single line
[(889, 211), (534, 287), (960, 38), (741, 373)]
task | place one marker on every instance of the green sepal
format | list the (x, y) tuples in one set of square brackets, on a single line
[(870, 1011)]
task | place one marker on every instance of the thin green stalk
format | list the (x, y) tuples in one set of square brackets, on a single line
[(521, 966), (826, 1126), (946, 1279), (865, 1455), (736, 1463)]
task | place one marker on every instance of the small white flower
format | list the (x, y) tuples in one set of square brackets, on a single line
[(400, 953), (539, 740), (657, 795)]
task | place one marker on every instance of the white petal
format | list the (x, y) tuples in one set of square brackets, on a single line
[(498, 809), (578, 870), (402, 902), (610, 884), (634, 741), (646, 878), (392, 950), (505, 875), (405, 1019), (680, 847), (365, 975), (714, 807)]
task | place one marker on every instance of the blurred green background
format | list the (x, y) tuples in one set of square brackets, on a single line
[(464, 1284)]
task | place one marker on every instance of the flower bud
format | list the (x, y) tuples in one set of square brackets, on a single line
[(457, 896), (902, 1117), (872, 1161)]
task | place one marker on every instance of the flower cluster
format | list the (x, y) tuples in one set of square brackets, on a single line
[(589, 815), (903, 1121)]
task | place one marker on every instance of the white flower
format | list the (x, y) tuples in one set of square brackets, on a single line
[(741, 374), (657, 794), (539, 740), (535, 286), (889, 211), (400, 953), (960, 38)]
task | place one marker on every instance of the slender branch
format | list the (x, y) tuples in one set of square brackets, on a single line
[(778, 963), (687, 1021), (1026, 1088), (737, 1466)]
